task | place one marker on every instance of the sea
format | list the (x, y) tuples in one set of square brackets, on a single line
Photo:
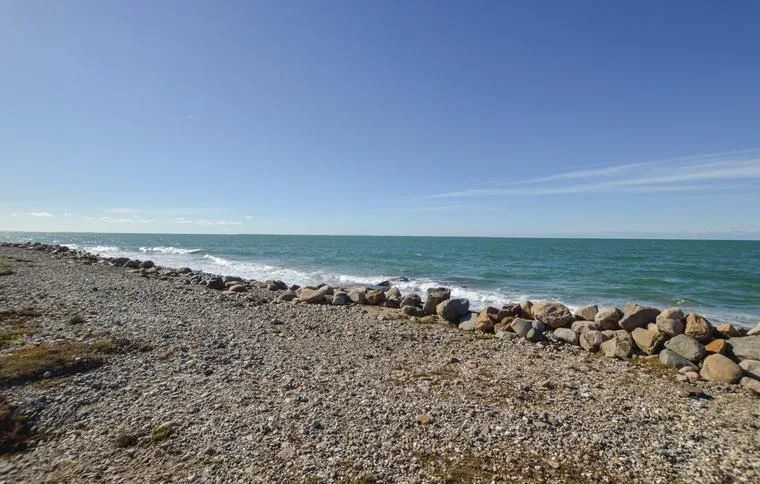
[(718, 279)]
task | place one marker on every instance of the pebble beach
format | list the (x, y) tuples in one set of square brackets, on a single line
[(205, 378)]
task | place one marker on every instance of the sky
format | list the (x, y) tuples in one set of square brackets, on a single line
[(468, 118)]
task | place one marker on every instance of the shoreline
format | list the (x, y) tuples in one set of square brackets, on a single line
[(305, 381)]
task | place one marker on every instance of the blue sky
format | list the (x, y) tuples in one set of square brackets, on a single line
[(381, 117)]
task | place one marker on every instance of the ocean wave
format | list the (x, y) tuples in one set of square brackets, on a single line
[(103, 249), (169, 250), (479, 298)]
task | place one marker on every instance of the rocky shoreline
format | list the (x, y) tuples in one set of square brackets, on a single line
[(217, 377)]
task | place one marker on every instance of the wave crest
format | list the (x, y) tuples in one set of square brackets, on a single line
[(169, 250)]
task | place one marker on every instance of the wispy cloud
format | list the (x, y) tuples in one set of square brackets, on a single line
[(207, 222), (677, 175), (122, 210), (40, 214), (126, 220)]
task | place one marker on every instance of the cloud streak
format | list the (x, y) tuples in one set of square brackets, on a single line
[(699, 174), (208, 222)]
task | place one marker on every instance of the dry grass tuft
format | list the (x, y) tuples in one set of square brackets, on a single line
[(52, 359), (5, 269)]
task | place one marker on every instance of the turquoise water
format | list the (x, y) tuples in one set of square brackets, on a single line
[(720, 279)]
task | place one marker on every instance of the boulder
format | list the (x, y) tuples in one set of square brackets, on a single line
[(672, 359), (276, 285), (555, 315), (313, 296), (237, 288), (637, 316), (521, 326), (534, 335), (340, 298), (650, 342), (754, 331), (750, 384), (119, 261), (413, 311), (147, 264), (751, 368), (620, 346), (484, 322), (392, 302), (591, 340), (608, 318), (687, 347), (132, 264), (717, 346), (671, 313), (467, 322), (720, 368), (512, 310), (586, 313), (358, 296), (567, 335), (728, 330), (698, 328), (435, 296), (452, 310), (506, 335), (670, 327), (375, 297), (526, 310), (583, 326), (540, 326), (215, 283), (393, 292), (287, 296), (746, 347), (411, 300)]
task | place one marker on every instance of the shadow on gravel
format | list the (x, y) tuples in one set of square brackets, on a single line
[(14, 429)]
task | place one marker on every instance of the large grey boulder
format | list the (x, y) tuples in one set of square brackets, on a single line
[(340, 298), (591, 340), (567, 335), (313, 296), (608, 318), (586, 313), (754, 331), (687, 347), (637, 316), (521, 326), (746, 347), (375, 297), (452, 310), (671, 322), (358, 295), (672, 359), (619, 346), (413, 311), (435, 296), (411, 300), (215, 283), (553, 314)]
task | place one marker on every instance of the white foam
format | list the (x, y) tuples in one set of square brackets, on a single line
[(169, 250)]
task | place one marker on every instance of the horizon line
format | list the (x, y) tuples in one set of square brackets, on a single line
[(613, 236)]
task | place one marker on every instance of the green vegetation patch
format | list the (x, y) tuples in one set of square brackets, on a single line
[(14, 327), (5, 269), (52, 360)]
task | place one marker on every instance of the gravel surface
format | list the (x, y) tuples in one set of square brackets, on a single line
[(220, 386)]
